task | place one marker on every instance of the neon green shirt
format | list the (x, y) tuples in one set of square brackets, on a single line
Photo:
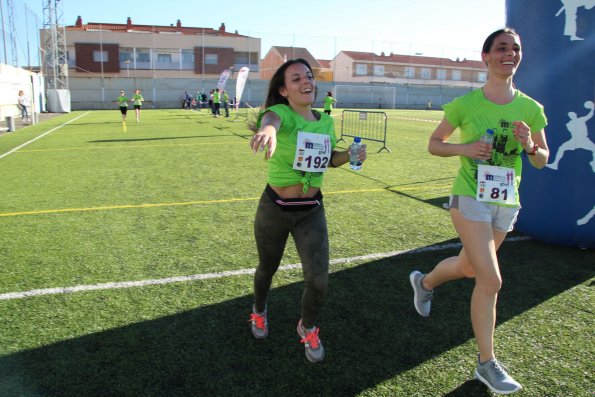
[(137, 99), (216, 97), (281, 172), (328, 102), (473, 114), (122, 101)]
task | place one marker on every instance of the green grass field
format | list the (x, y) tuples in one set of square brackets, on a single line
[(88, 204)]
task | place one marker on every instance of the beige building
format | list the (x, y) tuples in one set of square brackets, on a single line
[(369, 68), (175, 51)]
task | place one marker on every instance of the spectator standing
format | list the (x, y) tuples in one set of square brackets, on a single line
[(23, 105)]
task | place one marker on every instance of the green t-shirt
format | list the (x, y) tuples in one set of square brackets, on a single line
[(328, 102), (473, 114), (216, 97), (137, 99), (281, 172), (122, 101)]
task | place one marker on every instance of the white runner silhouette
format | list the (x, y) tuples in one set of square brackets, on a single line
[(569, 8), (579, 139)]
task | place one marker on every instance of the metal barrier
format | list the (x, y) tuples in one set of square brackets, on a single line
[(369, 126)]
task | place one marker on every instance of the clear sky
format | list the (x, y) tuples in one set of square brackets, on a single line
[(448, 28)]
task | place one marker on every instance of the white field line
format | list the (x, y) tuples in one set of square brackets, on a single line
[(206, 276), (41, 136), (414, 119)]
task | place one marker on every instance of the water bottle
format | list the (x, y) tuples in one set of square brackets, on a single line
[(488, 138), (354, 163)]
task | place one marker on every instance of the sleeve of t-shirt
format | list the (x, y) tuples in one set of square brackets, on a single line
[(539, 119), (281, 111), (452, 112)]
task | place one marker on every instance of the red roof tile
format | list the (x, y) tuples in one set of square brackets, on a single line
[(413, 59)]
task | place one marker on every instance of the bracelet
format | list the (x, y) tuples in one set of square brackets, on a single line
[(533, 151)]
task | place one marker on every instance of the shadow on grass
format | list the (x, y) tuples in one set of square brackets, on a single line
[(368, 326)]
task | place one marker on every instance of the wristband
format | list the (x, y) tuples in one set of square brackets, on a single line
[(534, 150)]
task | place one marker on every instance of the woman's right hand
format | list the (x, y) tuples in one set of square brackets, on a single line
[(478, 150), (266, 137)]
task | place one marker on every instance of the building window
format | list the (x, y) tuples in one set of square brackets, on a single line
[(211, 59), (143, 56), (163, 58), (100, 56), (409, 72), (379, 70), (456, 75), (482, 77), (361, 70), (125, 54), (188, 56), (441, 74), (426, 73)]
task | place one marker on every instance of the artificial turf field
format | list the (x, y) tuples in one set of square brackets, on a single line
[(126, 260)]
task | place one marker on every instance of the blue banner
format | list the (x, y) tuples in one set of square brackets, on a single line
[(558, 70)]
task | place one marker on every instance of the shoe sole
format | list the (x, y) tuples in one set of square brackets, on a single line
[(412, 280), (485, 382), (259, 337)]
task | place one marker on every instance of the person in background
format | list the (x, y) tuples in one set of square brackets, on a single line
[(211, 103), (122, 102), (137, 101), (23, 104), (329, 101), (225, 102), (216, 102), (198, 101), (429, 104), (482, 213), (300, 147)]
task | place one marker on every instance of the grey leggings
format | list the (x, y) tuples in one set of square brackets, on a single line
[(309, 230)]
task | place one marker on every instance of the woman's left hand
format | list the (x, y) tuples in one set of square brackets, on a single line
[(522, 133), (362, 153)]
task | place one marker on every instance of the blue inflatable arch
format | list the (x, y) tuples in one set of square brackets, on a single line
[(558, 70)]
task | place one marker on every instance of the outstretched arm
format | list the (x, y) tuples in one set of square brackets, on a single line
[(266, 137)]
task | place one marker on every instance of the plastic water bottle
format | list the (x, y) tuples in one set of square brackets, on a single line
[(354, 163), (488, 138)]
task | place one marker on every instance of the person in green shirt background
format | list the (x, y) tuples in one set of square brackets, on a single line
[(225, 102), (329, 101), (216, 103), (137, 102), (122, 102)]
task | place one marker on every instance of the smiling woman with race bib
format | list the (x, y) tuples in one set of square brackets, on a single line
[(300, 147), (484, 199)]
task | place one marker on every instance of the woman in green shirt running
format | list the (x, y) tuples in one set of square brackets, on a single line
[(137, 101), (122, 102), (300, 146), (484, 198)]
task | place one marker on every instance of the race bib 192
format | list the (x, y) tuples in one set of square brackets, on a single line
[(313, 152)]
